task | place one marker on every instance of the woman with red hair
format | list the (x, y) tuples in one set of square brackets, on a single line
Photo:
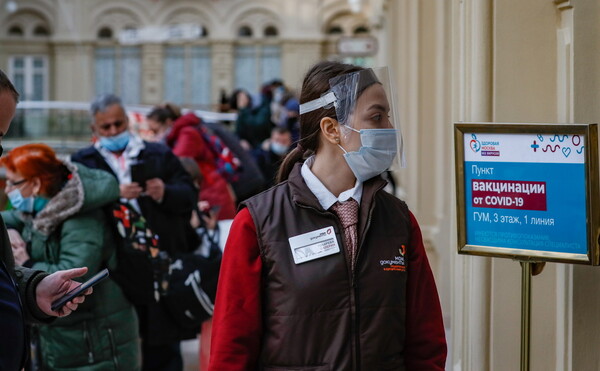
[(57, 223)]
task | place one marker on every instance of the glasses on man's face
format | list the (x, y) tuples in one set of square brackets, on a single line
[(11, 184)]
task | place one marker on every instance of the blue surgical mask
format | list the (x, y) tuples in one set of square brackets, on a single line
[(19, 202), (279, 149), (376, 154), (115, 143), (26, 204)]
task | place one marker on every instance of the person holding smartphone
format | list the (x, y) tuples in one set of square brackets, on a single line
[(164, 196), (25, 294), (57, 222)]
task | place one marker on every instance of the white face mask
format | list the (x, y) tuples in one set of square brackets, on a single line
[(375, 155)]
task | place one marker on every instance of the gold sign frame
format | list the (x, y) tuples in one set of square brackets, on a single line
[(590, 134)]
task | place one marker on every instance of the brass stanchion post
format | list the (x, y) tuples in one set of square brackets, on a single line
[(525, 314)]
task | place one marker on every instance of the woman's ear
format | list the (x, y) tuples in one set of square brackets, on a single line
[(37, 185), (331, 130)]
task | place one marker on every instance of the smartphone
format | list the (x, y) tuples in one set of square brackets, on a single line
[(79, 290), (215, 209), (138, 173)]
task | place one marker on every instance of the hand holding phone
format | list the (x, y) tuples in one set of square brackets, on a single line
[(79, 290), (138, 173)]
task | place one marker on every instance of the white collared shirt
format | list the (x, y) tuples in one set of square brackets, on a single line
[(325, 197), (121, 164)]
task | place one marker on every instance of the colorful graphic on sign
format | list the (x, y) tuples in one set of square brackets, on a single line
[(526, 191)]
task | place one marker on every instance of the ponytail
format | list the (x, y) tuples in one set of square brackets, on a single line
[(315, 84), (296, 155)]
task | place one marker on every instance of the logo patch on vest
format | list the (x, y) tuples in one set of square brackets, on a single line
[(314, 245), (396, 263)]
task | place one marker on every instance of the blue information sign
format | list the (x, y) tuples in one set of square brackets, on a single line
[(526, 194)]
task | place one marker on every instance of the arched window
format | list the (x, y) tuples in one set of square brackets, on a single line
[(105, 33), (204, 32), (245, 31), (335, 30), (361, 30), (271, 31), (15, 31), (41, 31)]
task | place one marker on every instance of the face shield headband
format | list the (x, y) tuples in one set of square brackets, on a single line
[(353, 96)]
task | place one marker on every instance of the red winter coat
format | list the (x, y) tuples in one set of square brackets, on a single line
[(186, 140)]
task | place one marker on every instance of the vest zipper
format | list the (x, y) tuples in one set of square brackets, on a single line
[(356, 311), (353, 286)]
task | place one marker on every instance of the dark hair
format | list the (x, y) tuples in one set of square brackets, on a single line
[(6, 85), (159, 114), (173, 110), (281, 130), (316, 83), (234, 95)]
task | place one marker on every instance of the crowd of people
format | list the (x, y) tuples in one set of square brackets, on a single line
[(293, 167)]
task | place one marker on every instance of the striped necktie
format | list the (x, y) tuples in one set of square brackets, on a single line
[(347, 212)]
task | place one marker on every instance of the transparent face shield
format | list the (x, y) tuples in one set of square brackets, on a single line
[(365, 100)]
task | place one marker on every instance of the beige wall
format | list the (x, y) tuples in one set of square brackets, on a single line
[(586, 108), (502, 61), (498, 61), (524, 90), (73, 26)]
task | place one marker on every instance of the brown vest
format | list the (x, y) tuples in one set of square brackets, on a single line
[(316, 315)]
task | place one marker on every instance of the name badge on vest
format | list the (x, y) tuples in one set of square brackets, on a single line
[(314, 245)]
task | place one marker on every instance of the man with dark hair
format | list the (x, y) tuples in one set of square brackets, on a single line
[(269, 156), (25, 294)]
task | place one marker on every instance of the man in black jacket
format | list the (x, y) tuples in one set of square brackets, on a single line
[(25, 294), (163, 193)]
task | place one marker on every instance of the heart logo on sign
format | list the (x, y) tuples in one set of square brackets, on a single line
[(475, 145), (566, 151)]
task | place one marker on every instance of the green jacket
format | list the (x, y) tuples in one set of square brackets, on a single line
[(73, 231), (254, 124)]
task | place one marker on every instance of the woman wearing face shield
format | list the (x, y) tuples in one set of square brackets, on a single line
[(326, 271)]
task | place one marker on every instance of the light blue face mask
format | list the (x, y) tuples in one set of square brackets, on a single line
[(279, 149), (26, 204), (115, 143), (377, 152)]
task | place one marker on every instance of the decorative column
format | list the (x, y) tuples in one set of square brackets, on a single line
[(472, 101), (223, 68), (564, 106), (152, 76)]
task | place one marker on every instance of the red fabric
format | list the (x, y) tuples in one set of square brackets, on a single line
[(204, 338), (425, 347), (186, 141), (237, 320)]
